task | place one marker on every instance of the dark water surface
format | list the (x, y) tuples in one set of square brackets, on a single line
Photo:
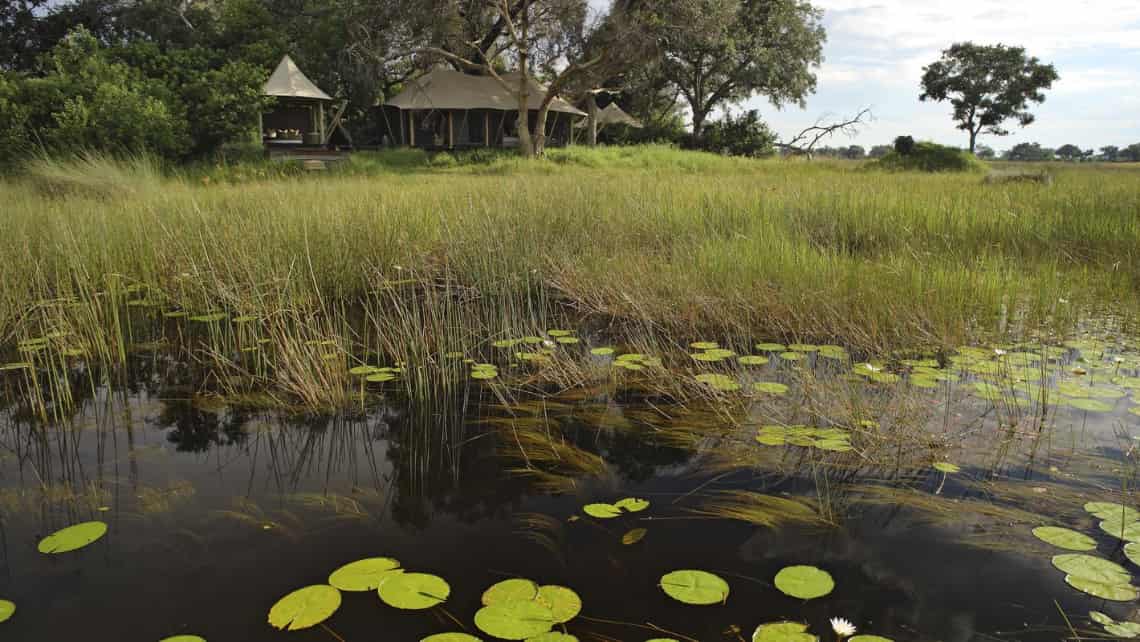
[(214, 514)]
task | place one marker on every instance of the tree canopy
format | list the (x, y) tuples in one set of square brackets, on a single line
[(987, 85)]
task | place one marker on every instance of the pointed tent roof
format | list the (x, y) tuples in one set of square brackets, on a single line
[(612, 114), (287, 81), (450, 89)]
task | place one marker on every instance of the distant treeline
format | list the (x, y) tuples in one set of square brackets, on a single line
[(1024, 152)]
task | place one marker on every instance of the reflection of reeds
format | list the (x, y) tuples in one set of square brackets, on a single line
[(760, 509), (543, 530)]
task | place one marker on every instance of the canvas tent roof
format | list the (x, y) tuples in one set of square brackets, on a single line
[(611, 114), (287, 81), (450, 89)]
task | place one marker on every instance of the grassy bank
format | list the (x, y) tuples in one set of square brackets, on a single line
[(645, 241)]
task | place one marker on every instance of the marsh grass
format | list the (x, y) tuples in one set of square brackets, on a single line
[(404, 262)]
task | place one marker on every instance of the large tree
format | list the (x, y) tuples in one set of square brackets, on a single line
[(1070, 152), (987, 86), (721, 52)]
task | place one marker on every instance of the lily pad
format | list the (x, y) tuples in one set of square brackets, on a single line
[(770, 347), (7, 609), (1132, 552), (946, 467), (512, 590), (451, 637), (791, 356), (184, 638), (563, 602), (363, 575), (73, 537), (632, 504), (602, 511), (1088, 404), (1092, 568), (1129, 532), (514, 620), (1100, 618), (770, 387), (783, 632), (694, 587), (305, 607), (869, 638), (804, 582), (1105, 591), (1123, 629), (553, 636), (413, 591), (752, 360), (1064, 538), (633, 536), (704, 345), (601, 352), (1110, 510)]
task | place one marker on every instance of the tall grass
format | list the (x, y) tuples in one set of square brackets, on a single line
[(645, 240)]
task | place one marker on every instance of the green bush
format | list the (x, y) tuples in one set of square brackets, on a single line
[(930, 157)]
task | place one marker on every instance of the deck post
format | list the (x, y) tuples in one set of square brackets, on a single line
[(450, 129), (321, 119), (411, 128), (486, 129)]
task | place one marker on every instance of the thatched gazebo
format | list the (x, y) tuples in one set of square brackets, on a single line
[(298, 118)]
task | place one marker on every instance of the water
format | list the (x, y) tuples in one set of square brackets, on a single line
[(215, 513)]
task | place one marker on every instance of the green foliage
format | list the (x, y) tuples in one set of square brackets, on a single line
[(904, 145), (744, 135), (930, 157), (987, 85)]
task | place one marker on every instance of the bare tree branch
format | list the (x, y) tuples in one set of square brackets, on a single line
[(804, 142)]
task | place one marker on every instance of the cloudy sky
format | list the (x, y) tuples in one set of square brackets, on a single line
[(876, 50)]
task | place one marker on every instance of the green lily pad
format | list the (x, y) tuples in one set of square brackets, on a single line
[(803, 347), (1100, 618), (184, 638), (783, 632), (632, 504), (834, 445), (804, 582), (1109, 510), (380, 377), (413, 591), (1129, 532), (704, 345), (770, 347), (305, 607), (1087, 404), (363, 575), (1114, 592), (73, 537), (633, 536), (602, 511), (1132, 552), (752, 360), (553, 636), (451, 637), (512, 590), (946, 467), (514, 620), (601, 352), (7, 609), (1123, 629), (869, 638), (694, 587), (567, 340), (1092, 568), (833, 352), (770, 387), (791, 356), (563, 602), (210, 317), (1064, 538)]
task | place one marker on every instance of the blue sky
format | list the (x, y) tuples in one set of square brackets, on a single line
[(876, 50)]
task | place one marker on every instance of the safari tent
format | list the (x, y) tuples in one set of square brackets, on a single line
[(447, 109), (298, 118)]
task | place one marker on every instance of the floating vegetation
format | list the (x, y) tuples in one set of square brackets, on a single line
[(770, 387), (783, 632), (1064, 538), (363, 575), (704, 345), (451, 637), (616, 509), (791, 356), (804, 582), (1125, 630), (305, 607), (713, 355), (946, 467), (518, 609), (718, 381), (752, 360), (633, 536), (413, 591), (694, 587), (7, 610), (484, 371), (184, 638), (602, 351), (73, 537), (1127, 531), (1096, 576), (834, 439), (770, 347)]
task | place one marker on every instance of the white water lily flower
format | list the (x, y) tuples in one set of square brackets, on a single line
[(842, 627), (548, 343), (999, 352), (872, 368)]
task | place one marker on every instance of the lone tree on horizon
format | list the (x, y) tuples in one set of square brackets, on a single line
[(987, 85)]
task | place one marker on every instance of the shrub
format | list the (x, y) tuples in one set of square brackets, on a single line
[(904, 145), (930, 157), (745, 135)]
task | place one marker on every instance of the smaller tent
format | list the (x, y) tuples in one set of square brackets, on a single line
[(298, 117), (614, 115)]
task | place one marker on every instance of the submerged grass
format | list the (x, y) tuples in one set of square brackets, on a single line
[(651, 245)]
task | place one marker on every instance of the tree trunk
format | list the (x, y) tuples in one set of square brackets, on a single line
[(973, 140), (525, 146), (592, 120), (539, 136), (699, 117)]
